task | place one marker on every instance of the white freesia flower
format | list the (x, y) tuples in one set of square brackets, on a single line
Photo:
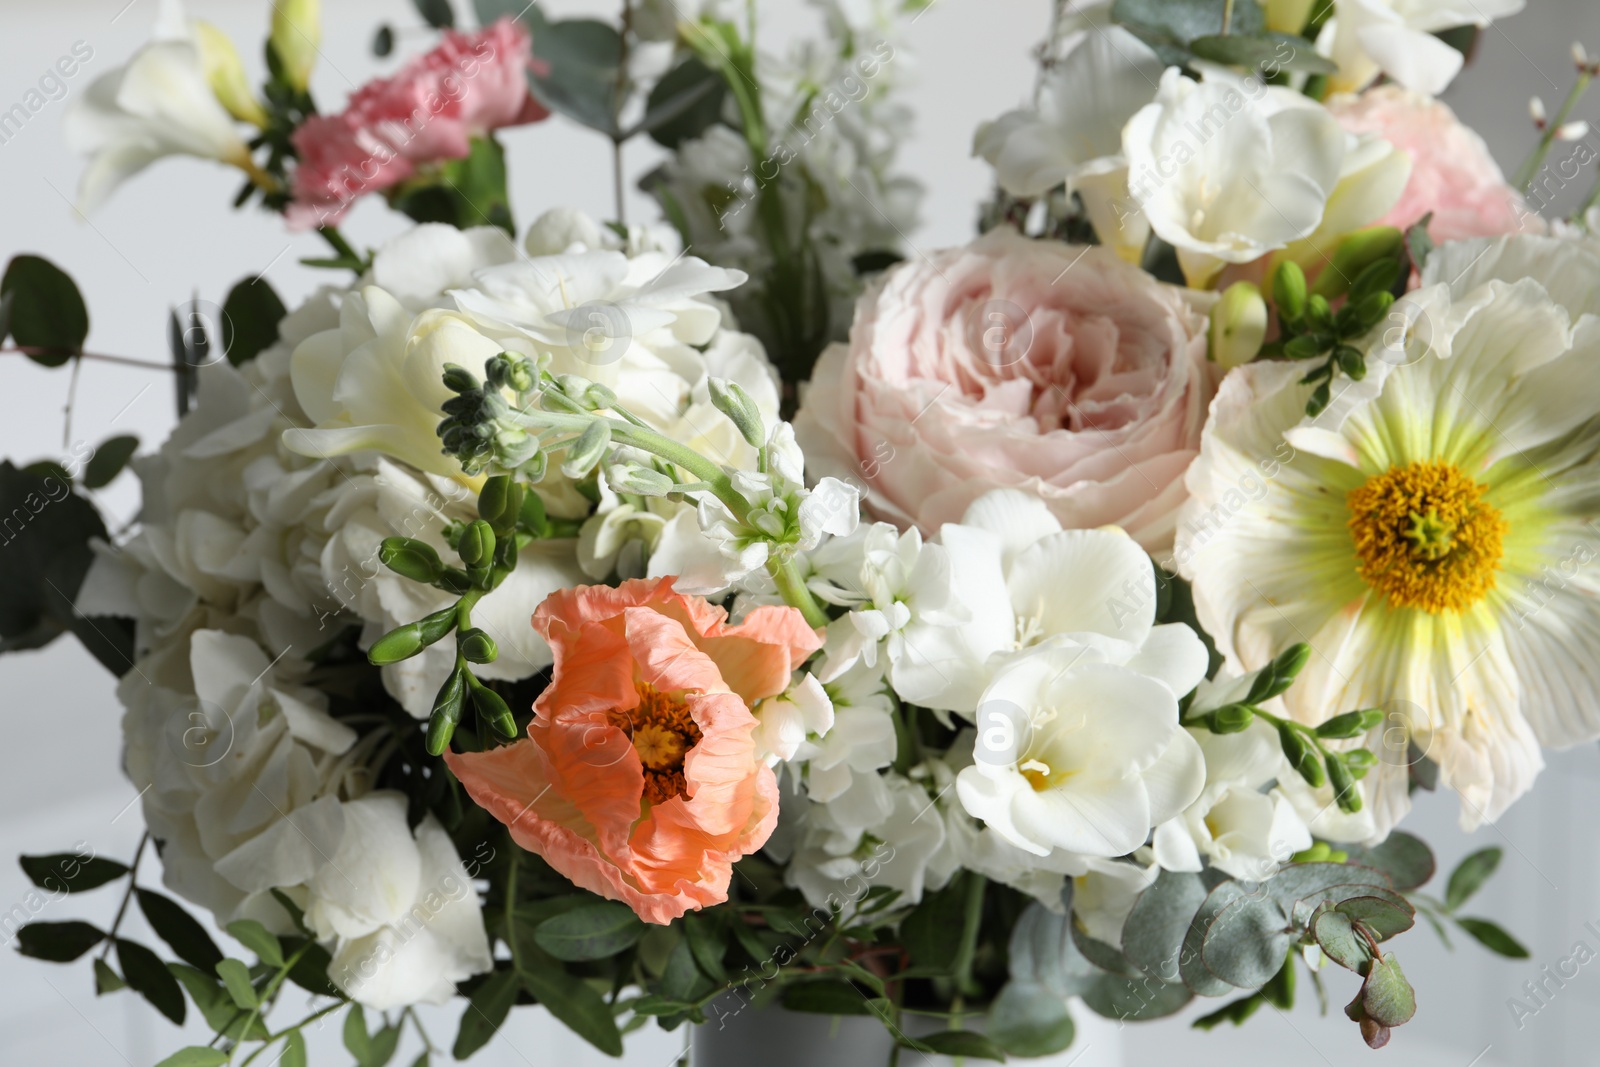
[(1078, 754), (1073, 134), (1227, 174), (1432, 534), (159, 104), (1009, 541), (1367, 38)]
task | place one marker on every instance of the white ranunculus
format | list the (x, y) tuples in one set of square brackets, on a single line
[(159, 104), (1078, 754), (1396, 38), (1073, 134), (1227, 170)]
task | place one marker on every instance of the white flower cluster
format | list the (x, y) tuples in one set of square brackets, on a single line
[(263, 516)]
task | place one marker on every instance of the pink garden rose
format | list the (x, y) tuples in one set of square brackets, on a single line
[(1452, 173), (429, 111), (1047, 367)]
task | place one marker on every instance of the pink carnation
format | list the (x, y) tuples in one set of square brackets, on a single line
[(429, 111), (1452, 173), (1059, 370)]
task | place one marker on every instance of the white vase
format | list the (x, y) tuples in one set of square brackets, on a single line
[(774, 1037)]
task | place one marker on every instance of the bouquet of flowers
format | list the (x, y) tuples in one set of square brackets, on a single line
[(752, 611)]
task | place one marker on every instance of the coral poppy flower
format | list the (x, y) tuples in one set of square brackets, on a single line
[(640, 778)]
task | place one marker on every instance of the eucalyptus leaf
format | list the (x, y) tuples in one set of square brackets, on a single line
[(579, 76), (1387, 997), (1245, 946), (1191, 963), (684, 104), (250, 316), (1169, 25), (1337, 937), (1152, 938), (1135, 999), (108, 460), (1385, 915), (1263, 52), (1028, 1020), (1406, 859), (1301, 887), (47, 312)]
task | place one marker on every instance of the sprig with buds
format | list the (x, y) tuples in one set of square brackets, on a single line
[(1561, 128), (1303, 746)]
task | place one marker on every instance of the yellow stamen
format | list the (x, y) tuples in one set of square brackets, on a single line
[(663, 732), (1426, 538)]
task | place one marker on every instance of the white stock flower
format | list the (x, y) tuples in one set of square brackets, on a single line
[(1227, 170), (862, 740), (883, 831), (1073, 134), (159, 104), (1396, 38), (787, 721)]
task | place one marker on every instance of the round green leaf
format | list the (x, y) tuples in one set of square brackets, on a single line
[(1387, 997), (108, 460), (1152, 938), (47, 311), (1030, 1020), (1245, 947)]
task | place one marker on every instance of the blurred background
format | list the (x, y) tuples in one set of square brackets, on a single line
[(167, 237)]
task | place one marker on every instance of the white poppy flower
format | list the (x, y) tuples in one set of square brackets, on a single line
[(1227, 170), (1431, 533), (1367, 38), (159, 104)]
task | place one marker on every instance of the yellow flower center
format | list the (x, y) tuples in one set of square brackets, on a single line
[(663, 733), (1426, 538)]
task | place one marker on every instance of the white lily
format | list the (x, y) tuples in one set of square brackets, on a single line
[(159, 104), (1396, 37)]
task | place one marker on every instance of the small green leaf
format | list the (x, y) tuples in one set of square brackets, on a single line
[(826, 997), (64, 871), (1387, 997), (1337, 937), (195, 1056), (576, 1005), (1385, 916), (310, 972), (1493, 938), (294, 1051), (684, 103), (591, 932), (436, 13), (381, 1049), (58, 942), (181, 931), (149, 977), (959, 1044), (355, 1033), (932, 932), (1235, 1012), (1246, 945), (105, 979), (109, 459), (47, 311), (1469, 876), (383, 41), (1029, 1020), (236, 979), (255, 937), (1406, 859), (1263, 51), (487, 1008), (250, 316)]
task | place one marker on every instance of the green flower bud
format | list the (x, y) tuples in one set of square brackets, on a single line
[(296, 37), (459, 379), (532, 517), (1378, 277), (1306, 346), (402, 642), (477, 544), (433, 627), (1344, 785), (477, 646), (224, 71), (493, 709), (1238, 326), (1276, 677), (1355, 254), (1351, 362), (587, 451), (643, 481), (411, 558), (454, 580), (1289, 290), (1232, 719), (1301, 754), (446, 712), (499, 501), (731, 399)]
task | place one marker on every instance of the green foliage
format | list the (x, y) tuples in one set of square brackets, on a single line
[(108, 460), (436, 13), (180, 930), (1469, 876), (580, 76), (590, 932), (58, 942), (148, 976), (1170, 26), (69, 872), (686, 102), (250, 316), (45, 312)]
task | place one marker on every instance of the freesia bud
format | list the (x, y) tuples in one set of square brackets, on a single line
[(296, 37), (1238, 325), (1355, 254), (220, 62)]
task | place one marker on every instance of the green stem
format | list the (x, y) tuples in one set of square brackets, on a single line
[(133, 878), (1227, 17), (792, 587), (1530, 166), (287, 1030), (268, 991), (512, 851)]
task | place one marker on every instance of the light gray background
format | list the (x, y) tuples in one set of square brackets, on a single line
[(168, 235)]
